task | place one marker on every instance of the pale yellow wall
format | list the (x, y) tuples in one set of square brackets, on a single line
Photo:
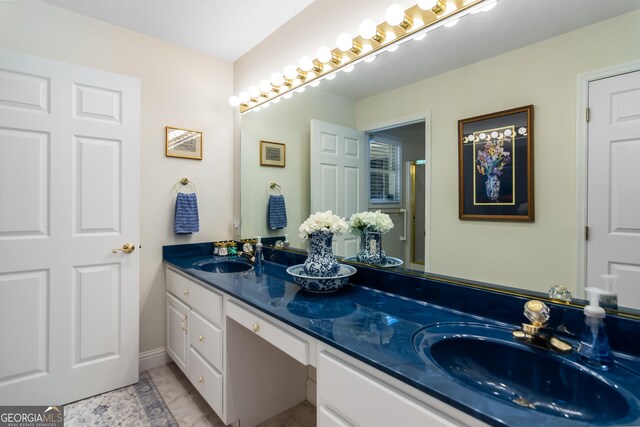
[(533, 255), (179, 87), (288, 122)]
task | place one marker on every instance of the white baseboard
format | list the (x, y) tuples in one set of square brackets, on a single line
[(311, 392), (152, 358)]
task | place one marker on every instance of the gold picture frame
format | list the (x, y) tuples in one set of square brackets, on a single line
[(273, 154), (183, 143)]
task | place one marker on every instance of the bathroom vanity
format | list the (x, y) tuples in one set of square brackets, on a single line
[(246, 341)]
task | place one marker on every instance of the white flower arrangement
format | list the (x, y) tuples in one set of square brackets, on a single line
[(372, 221), (323, 221)]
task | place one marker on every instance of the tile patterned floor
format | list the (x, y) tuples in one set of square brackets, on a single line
[(188, 408), (139, 405)]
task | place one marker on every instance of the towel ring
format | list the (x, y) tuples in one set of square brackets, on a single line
[(274, 187), (186, 181)]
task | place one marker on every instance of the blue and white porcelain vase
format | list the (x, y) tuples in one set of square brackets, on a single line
[(371, 248), (493, 187), (321, 261)]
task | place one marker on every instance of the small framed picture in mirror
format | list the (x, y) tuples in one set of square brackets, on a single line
[(184, 143), (273, 154)]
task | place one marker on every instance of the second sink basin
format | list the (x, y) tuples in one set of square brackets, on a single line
[(488, 360), (222, 266)]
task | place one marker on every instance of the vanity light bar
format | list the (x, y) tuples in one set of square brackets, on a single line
[(415, 23)]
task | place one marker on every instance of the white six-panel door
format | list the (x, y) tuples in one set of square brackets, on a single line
[(69, 178), (339, 176), (614, 185)]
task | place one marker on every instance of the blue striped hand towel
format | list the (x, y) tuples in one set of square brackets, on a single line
[(186, 220), (276, 212)]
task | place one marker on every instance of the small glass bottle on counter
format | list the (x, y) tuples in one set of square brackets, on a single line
[(222, 251), (232, 248)]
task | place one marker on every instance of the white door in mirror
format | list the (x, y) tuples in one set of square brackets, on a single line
[(339, 176), (614, 185)]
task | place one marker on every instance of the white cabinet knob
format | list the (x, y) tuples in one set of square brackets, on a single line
[(186, 292), (200, 380), (201, 338), (255, 327)]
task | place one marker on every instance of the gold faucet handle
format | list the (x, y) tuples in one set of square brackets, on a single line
[(537, 312)]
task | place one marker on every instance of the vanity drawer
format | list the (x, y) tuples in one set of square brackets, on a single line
[(206, 380), (207, 339), (205, 301), (294, 346)]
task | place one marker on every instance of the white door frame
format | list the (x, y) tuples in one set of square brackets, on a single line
[(582, 145), (405, 120)]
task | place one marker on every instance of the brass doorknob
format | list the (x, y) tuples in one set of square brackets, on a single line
[(127, 248)]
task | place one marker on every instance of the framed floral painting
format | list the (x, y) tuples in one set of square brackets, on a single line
[(495, 164)]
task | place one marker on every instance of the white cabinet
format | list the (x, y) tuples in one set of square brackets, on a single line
[(234, 360), (282, 337), (351, 393), (177, 333), (195, 335)]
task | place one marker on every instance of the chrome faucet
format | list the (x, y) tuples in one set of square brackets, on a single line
[(535, 333)]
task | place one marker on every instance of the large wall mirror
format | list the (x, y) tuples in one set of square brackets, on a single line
[(520, 53)]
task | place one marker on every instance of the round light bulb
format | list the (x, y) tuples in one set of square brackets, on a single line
[(349, 68), (427, 4), (287, 95), (254, 92), (370, 58), (234, 101), (367, 29), (305, 63), (277, 79), (324, 54), (394, 15), (290, 72), (344, 42), (276, 100), (301, 89), (264, 86), (314, 83), (244, 97), (331, 77)]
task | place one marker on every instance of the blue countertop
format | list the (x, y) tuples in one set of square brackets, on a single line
[(378, 328)]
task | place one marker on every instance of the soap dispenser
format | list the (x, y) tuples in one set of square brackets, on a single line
[(594, 347), (608, 297), (258, 261)]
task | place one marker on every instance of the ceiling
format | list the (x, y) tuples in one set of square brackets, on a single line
[(510, 25), (226, 29)]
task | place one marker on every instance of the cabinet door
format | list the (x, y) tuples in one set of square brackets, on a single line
[(348, 395), (177, 332)]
